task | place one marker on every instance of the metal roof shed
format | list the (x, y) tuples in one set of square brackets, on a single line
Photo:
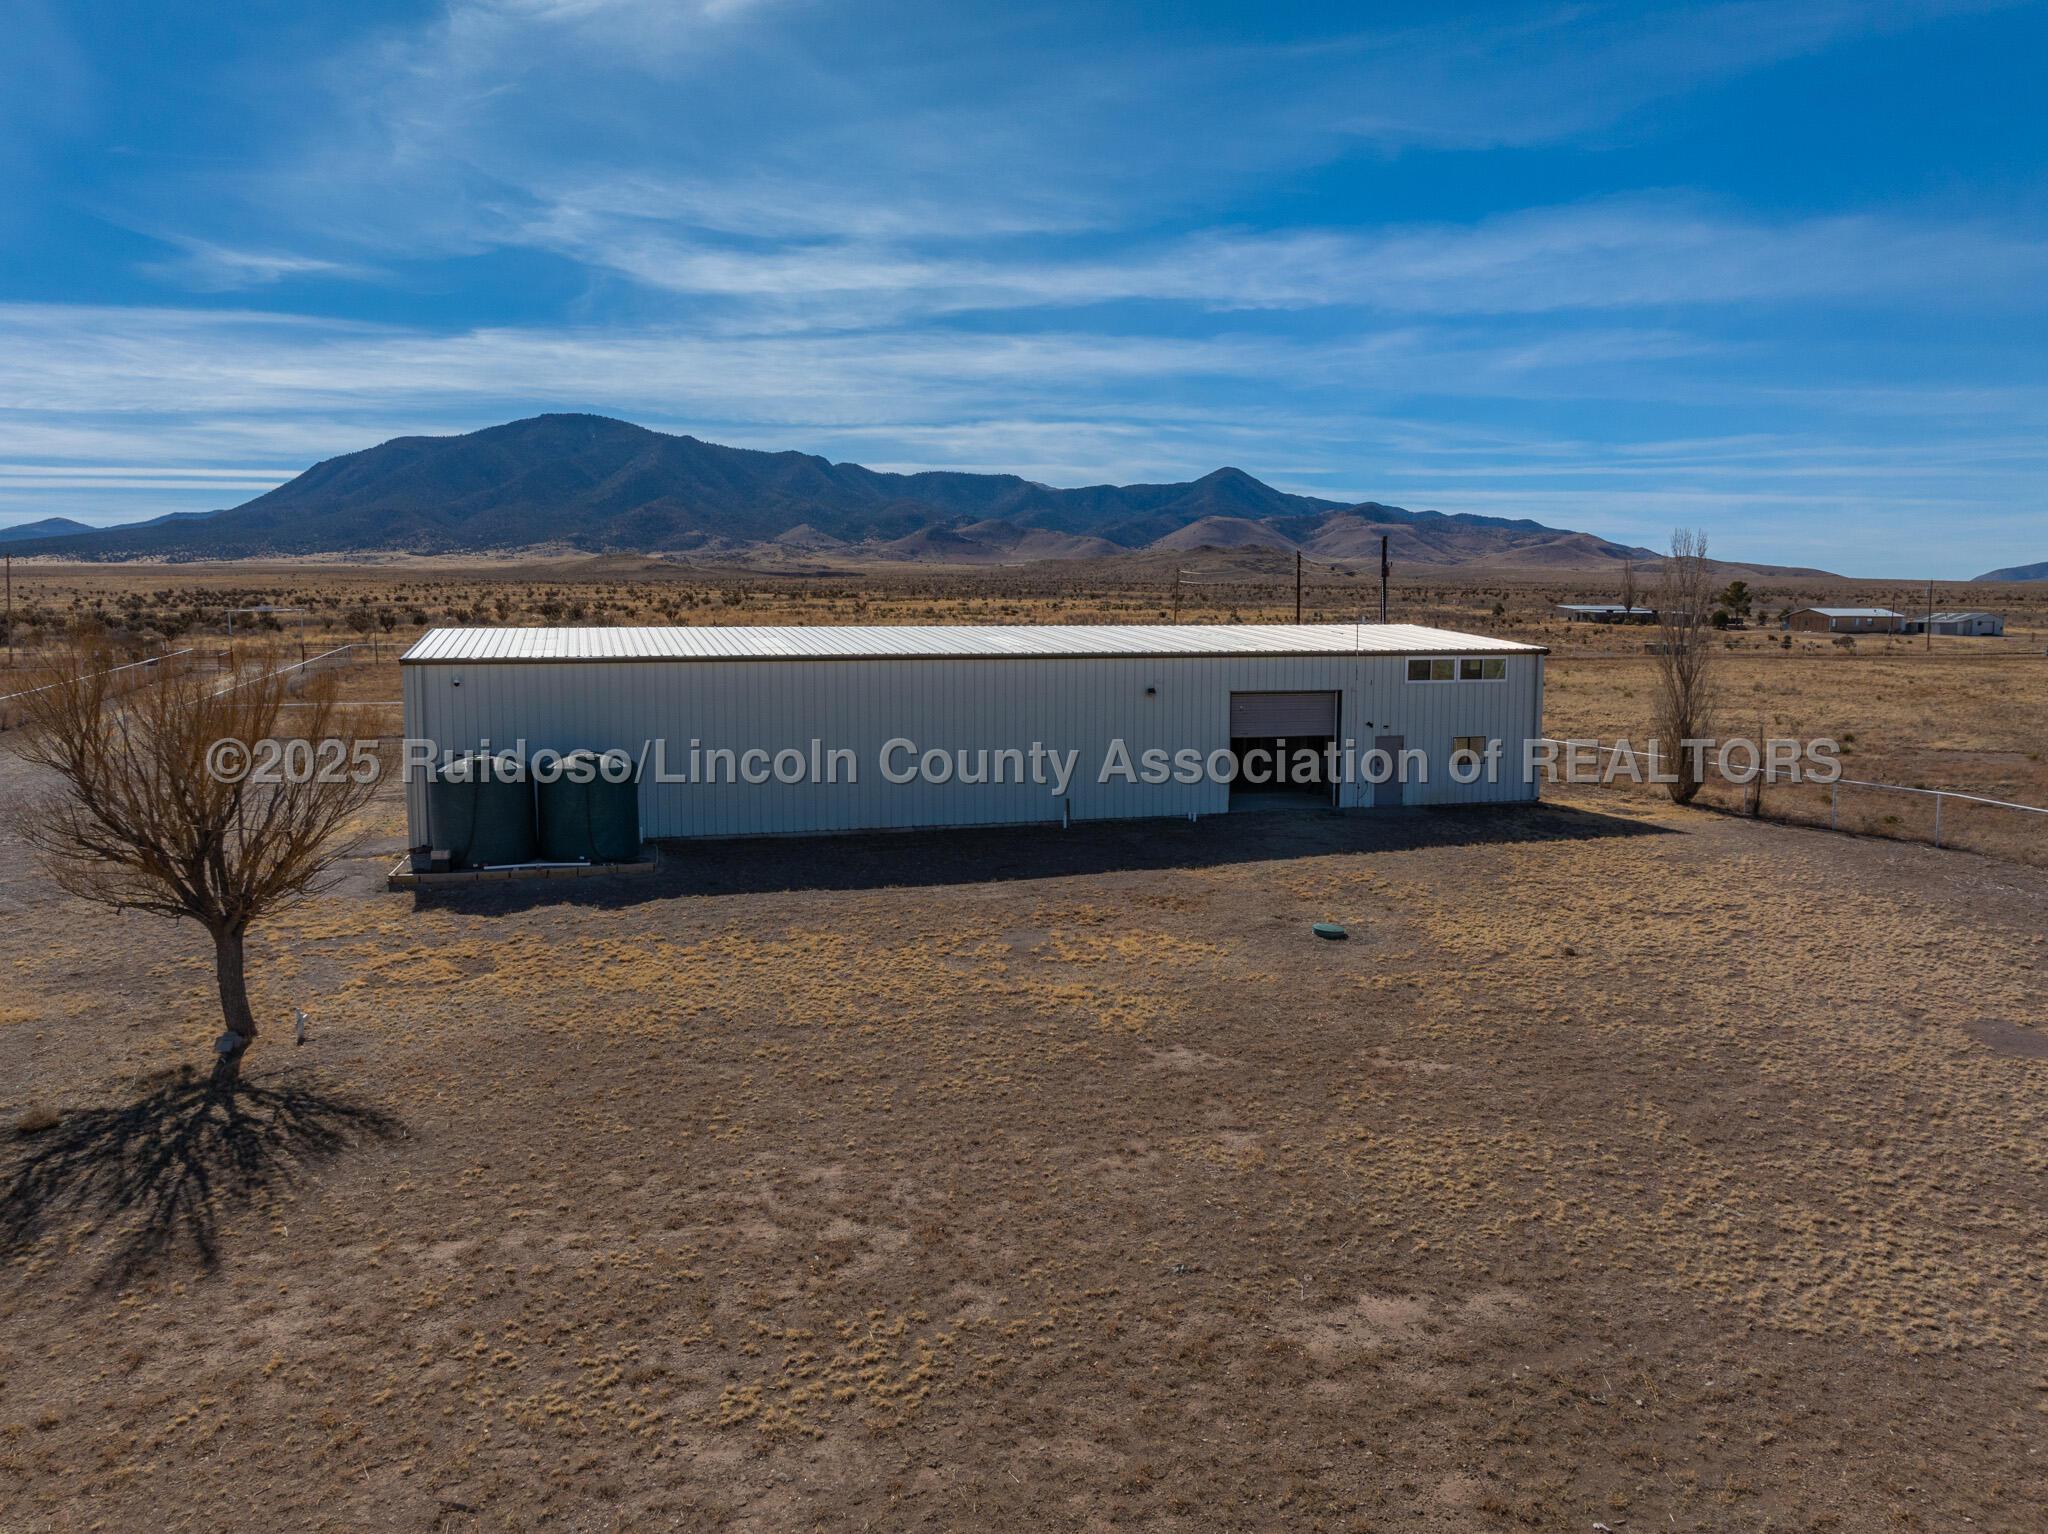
[(693, 705)]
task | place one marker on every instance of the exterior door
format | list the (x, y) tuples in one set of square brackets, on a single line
[(1393, 791), (1269, 732), (1283, 715)]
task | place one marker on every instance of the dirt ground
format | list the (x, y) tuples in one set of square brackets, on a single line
[(1972, 721), (1954, 713), (1627, 1167), (325, 603)]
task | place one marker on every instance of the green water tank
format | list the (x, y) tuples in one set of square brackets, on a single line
[(590, 810), (480, 811)]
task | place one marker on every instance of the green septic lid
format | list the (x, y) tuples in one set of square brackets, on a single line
[(1329, 929)]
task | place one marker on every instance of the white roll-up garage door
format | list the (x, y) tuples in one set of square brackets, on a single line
[(1263, 715)]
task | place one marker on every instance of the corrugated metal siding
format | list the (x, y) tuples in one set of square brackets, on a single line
[(961, 641), (949, 705), (420, 703), (1430, 715), (1263, 715)]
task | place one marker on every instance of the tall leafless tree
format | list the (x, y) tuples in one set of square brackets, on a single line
[(149, 813), (1685, 682), (1628, 588)]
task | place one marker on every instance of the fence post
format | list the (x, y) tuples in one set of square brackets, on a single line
[(1937, 818), (1835, 805)]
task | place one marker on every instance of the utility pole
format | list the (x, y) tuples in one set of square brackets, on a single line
[(1930, 617), (10, 612), (1176, 596), (1297, 585), (1385, 571)]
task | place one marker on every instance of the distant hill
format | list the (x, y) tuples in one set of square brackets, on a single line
[(590, 484), (2018, 573), (49, 527)]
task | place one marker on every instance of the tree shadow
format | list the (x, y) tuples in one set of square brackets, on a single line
[(153, 1176)]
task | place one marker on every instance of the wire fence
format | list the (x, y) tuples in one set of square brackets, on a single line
[(299, 670), (13, 708), (1939, 817)]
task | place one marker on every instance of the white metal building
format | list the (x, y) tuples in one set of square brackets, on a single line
[(1969, 625), (1606, 612), (852, 707)]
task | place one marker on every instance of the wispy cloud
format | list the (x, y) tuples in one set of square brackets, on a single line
[(174, 475), (1509, 251), (843, 173), (921, 125), (114, 361), (1610, 254), (99, 404), (1532, 76), (233, 486), (208, 267)]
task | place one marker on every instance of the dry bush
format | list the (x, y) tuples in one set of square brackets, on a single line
[(147, 815), (1685, 657)]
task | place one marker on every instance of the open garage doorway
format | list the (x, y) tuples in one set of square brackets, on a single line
[(1281, 741)]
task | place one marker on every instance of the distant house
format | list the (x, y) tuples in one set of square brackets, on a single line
[(1605, 612), (1844, 620), (1970, 625)]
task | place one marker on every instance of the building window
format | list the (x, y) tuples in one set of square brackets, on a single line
[(1473, 746), (1471, 669)]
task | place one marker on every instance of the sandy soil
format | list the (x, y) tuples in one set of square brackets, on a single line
[(1973, 721), (1964, 714), (1627, 1166)]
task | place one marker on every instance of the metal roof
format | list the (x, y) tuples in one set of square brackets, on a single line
[(958, 642), (1853, 612), (1958, 617), (1601, 607)]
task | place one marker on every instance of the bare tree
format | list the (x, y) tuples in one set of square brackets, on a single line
[(151, 813), (1685, 684), (1628, 588)]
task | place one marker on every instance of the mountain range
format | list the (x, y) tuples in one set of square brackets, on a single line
[(591, 484), (49, 527), (2018, 573)]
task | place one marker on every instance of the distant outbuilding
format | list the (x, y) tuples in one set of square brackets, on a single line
[(1844, 620), (1606, 612), (1968, 625)]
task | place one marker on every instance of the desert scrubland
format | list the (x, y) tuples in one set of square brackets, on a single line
[(1628, 1166), (1967, 714)]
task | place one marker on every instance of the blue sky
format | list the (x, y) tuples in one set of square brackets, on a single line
[(1778, 269)]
